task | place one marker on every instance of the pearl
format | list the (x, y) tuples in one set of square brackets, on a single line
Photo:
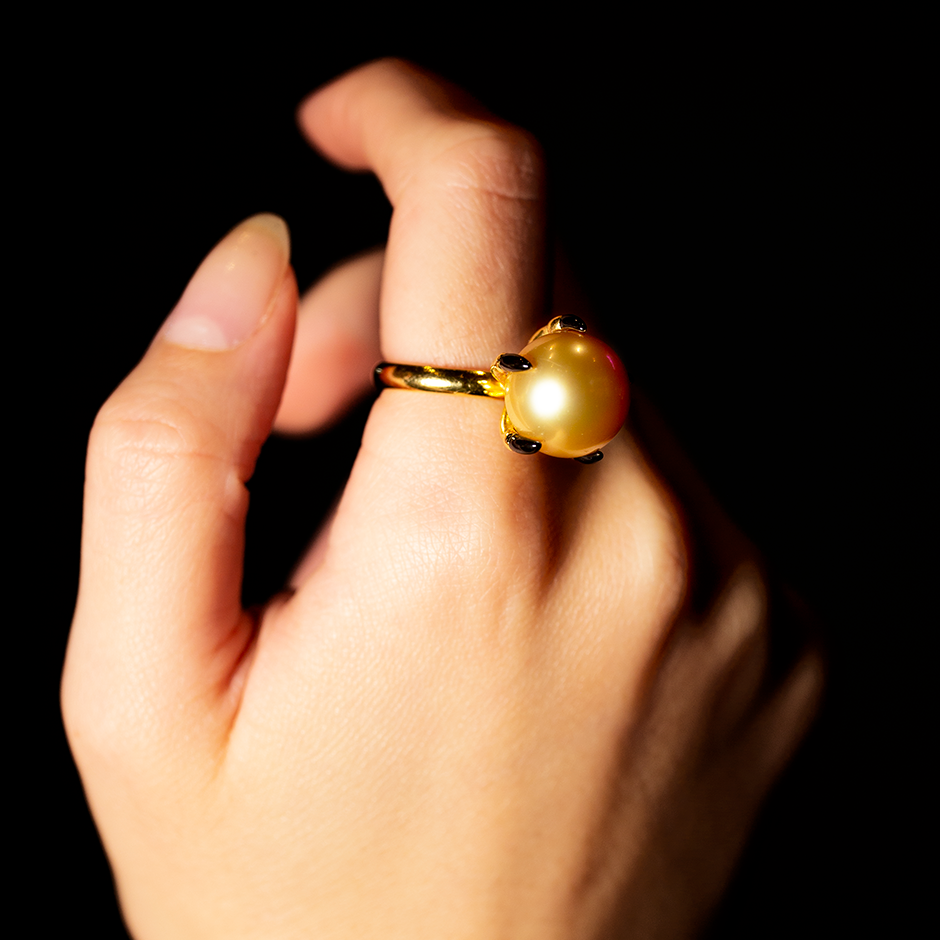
[(573, 399)]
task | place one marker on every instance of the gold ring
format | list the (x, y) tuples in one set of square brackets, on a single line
[(566, 394)]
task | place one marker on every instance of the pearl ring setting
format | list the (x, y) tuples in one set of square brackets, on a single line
[(565, 394)]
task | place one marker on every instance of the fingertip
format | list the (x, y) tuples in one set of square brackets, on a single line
[(324, 120), (274, 226), (332, 117), (234, 288)]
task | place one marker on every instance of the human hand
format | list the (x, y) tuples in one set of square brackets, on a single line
[(487, 709)]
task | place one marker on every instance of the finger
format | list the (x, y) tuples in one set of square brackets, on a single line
[(464, 264), (336, 346), (159, 629)]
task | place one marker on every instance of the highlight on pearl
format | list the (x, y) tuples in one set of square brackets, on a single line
[(573, 400)]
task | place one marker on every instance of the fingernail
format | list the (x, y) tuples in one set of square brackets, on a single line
[(231, 292)]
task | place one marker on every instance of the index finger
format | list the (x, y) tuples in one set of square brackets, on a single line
[(463, 277)]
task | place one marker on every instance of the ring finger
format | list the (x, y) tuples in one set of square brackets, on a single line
[(463, 277)]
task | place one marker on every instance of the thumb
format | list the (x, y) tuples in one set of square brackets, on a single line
[(158, 621)]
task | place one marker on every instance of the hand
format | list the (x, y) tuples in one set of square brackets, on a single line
[(487, 709)]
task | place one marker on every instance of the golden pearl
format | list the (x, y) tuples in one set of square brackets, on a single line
[(573, 399)]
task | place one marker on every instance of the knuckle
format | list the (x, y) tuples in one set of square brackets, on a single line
[(664, 577), (104, 726), (665, 588), (498, 161), (498, 146), (141, 450), (739, 620), (155, 420), (748, 596), (674, 579)]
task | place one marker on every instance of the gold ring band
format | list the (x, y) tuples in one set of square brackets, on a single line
[(433, 379)]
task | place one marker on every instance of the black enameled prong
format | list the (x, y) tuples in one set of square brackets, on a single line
[(522, 445), (571, 322), (377, 376), (513, 362), (591, 458)]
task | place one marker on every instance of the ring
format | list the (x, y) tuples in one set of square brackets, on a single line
[(565, 394)]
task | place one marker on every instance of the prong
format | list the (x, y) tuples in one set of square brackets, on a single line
[(557, 324), (571, 322), (591, 458), (377, 376), (522, 445), (512, 362)]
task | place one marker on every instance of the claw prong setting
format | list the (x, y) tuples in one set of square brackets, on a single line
[(569, 322), (522, 445), (510, 363)]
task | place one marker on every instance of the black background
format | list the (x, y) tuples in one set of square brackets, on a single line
[(737, 201)]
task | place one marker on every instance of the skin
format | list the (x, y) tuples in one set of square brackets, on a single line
[(487, 707)]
